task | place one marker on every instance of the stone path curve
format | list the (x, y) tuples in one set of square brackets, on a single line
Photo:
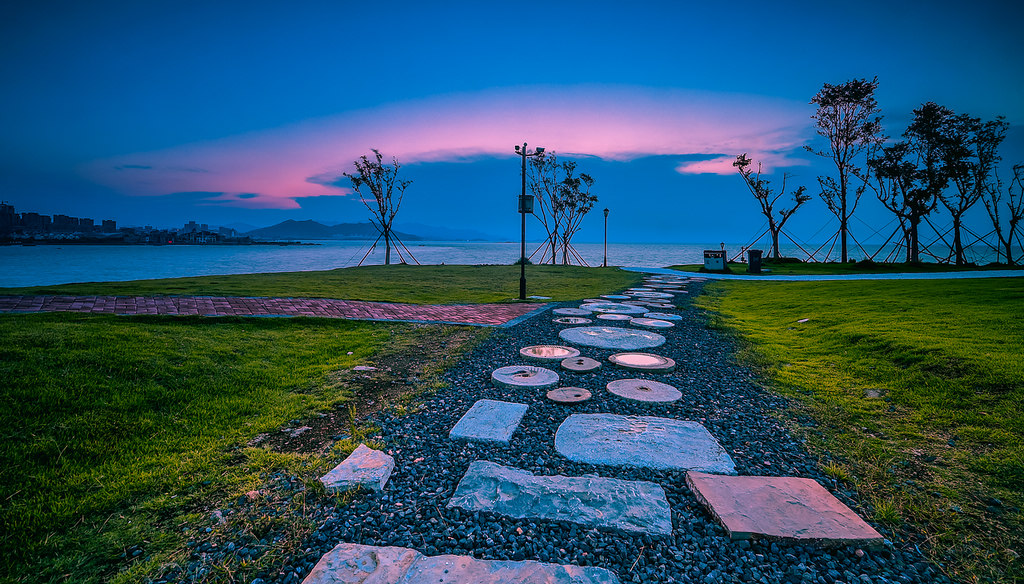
[(502, 315)]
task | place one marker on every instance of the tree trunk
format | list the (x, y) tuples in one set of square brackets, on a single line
[(914, 255), (843, 218), (387, 247), (958, 246), (775, 243)]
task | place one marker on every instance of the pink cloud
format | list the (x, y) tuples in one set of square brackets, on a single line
[(724, 164), (282, 165)]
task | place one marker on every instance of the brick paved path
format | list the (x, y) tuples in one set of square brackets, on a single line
[(473, 314)]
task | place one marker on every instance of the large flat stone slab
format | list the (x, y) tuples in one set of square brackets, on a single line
[(489, 421), (351, 563), (611, 337), (365, 467), (636, 506), (789, 508), (641, 441)]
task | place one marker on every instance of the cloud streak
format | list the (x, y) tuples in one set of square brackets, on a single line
[(277, 167)]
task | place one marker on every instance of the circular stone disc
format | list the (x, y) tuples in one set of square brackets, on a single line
[(571, 311), (548, 352), (569, 395), (641, 290), (643, 361), (580, 364), (652, 295), (609, 337), (615, 297), (661, 305), (572, 320), (615, 308), (651, 323), (592, 300), (663, 286), (662, 316), (645, 391), (612, 316), (524, 376)]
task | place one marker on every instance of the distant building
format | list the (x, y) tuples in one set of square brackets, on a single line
[(109, 226), (191, 227), (8, 218), (65, 223), (35, 222), (86, 225)]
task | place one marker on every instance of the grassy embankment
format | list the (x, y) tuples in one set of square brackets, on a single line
[(917, 389), (772, 268), (120, 435)]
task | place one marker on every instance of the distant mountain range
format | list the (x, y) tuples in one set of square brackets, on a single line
[(309, 229)]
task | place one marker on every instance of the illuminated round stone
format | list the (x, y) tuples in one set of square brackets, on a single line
[(580, 364), (615, 297), (572, 320), (652, 295), (615, 308), (663, 316), (652, 323), (524, 376), (571, 311), (613, 316), (548, 352), (569, 395), (643, 361), (610, 337), (644, 390)]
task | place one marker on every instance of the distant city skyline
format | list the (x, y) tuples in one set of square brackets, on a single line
[(242, 113)]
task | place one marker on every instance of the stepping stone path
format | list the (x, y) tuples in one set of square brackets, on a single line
[(644, 390), (652, 323), (790, 508), (524, 376), (489, 421), (613, 308), (643, 361), (580, 364), (351, 563), (365, 467), (615, 296), (569, 395), (663, 316), (635, 506), (571, 311), (548, 352), (641, 441), (606, 337), (613, 316), (572, 320)]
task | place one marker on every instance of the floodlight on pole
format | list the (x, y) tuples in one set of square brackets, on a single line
[(525, 206)]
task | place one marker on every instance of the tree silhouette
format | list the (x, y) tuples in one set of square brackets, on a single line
[(897, 187), (574, 202), (1014, 208), (545, 184), (767, 198), (381, 180)]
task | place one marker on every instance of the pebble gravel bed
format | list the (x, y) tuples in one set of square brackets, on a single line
[(721, 395)]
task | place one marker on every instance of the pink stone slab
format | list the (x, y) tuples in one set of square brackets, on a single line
[(789, 508)]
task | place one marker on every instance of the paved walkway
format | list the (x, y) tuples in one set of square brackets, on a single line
[(823, 277), (470, 314)]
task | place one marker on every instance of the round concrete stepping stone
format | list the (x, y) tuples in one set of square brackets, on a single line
[(641, 290), (644, 390), (571, 311), (580, 364), (608, 337), (643, 361), (663, 286), (613, 316), (594, 300), (548, 352), (634, 302), (652, 295), (572, 320), (528, 376), (660, 305), (651, 323), (663, 316), (569, 395), (615, 308), (615, 297)]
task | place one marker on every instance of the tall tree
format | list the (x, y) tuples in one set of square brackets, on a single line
[(764, 194), (1014, 207), (898, 188), (545, 178), (382, 182), (574, 202), (971, 152), (848, 117), (928, 140)]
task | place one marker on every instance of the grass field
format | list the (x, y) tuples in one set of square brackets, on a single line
[(398, 283), (821, 268), (917, 388)]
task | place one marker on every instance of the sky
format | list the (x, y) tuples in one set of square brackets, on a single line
[(228, 112)]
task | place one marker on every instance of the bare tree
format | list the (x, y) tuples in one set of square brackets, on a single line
[(897, 187), (928, 140), (764, 194), (574, 202), (848, 117), (1014, 210), (545, 184), (381, 180)]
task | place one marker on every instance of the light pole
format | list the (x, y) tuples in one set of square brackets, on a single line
[(605, 239), (525, 206)]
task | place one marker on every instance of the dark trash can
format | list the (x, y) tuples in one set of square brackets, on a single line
[(754, 261)]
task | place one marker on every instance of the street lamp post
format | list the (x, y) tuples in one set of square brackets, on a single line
[(605, 238), (525, 206)]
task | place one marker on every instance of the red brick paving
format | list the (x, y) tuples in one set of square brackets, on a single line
[(475, 314)]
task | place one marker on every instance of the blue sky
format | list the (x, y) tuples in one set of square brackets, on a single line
[(157, 113)]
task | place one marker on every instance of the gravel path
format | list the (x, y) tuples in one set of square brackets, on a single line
[(724, 397)]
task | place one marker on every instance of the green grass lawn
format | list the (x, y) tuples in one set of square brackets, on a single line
[(396, 283), (821, 268), (940, 451)]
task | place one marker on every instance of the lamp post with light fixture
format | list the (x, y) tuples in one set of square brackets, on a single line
[(605, 239), (525, 206)]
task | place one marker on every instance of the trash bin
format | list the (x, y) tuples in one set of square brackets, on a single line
[(754, 261), (714, 260)]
